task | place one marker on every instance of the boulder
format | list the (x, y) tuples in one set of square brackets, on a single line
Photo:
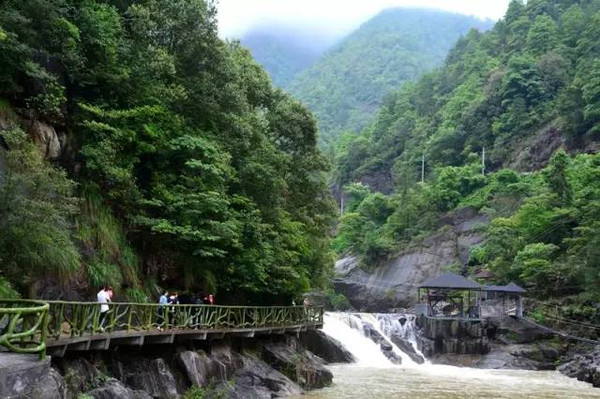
[(199, 369), (502, 359), (584, 367), (510, 330), (20, 374), (329, 349), (45, 138), (299, 365), (151, 375), (79, 374), (114, 388), (51, 386), (256, 380)]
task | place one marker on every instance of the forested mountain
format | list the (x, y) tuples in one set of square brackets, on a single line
[(174, 159), (522, 90), (345, 87), (284, 52)]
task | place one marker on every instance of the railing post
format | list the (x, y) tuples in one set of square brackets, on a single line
[(44, 332), (129, 316)]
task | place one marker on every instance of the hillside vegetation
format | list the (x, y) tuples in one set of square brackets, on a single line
[(345, 87), (180, 163), (536, 71)]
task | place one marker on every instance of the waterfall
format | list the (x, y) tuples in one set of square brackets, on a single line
[(344, 328), (376, 339)]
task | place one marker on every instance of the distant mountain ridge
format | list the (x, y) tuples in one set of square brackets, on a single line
[(284, 51), (345, 86)]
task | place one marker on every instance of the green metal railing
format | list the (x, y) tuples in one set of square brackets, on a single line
[(72, 319), (26, 324), (23, 326)]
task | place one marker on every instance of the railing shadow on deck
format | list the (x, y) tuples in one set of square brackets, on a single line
[(26, 325)]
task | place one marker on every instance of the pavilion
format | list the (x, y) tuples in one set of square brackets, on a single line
[(450, 295), (502, 300)]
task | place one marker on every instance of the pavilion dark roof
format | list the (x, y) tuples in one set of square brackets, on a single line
[(511, 288), (451, 280)]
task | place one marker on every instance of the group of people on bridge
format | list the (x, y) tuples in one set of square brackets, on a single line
[(166, 311)]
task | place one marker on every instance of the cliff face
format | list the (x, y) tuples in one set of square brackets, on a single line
[(395, 284)]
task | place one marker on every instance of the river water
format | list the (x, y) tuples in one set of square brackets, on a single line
[(373, 376)]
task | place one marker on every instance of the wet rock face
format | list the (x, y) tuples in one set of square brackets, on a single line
[(407, 348), (395, 284), (329, 349), (584, 367), (388, 351)]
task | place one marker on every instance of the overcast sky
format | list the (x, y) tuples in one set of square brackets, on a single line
[(333, 17)]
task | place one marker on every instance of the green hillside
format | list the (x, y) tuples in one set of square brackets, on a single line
[(345, 87), (522, 90), (175, 160)]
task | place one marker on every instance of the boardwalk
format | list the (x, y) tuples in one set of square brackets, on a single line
[(28, 326)]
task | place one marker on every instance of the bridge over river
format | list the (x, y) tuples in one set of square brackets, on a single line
[(33, 326)]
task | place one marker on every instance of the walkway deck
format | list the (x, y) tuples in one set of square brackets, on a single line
[(34, 326)]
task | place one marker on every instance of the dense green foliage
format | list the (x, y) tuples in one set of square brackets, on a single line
[(345, 87), (36, 205), (534, 76), (536, 69), (194, 170)]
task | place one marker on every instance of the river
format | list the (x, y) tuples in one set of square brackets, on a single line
[(427, 381), (372, 376)]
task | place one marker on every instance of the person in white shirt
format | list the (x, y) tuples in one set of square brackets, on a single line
[(103, 297)]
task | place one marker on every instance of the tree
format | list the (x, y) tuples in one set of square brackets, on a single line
[(590, 94), (556, 178), (36, 211), (542, 36)]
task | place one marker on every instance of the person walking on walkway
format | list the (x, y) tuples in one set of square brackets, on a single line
[(162, 309), (103, 297), (173, 300)]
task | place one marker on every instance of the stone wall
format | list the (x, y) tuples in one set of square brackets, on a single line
[(451, 336)]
